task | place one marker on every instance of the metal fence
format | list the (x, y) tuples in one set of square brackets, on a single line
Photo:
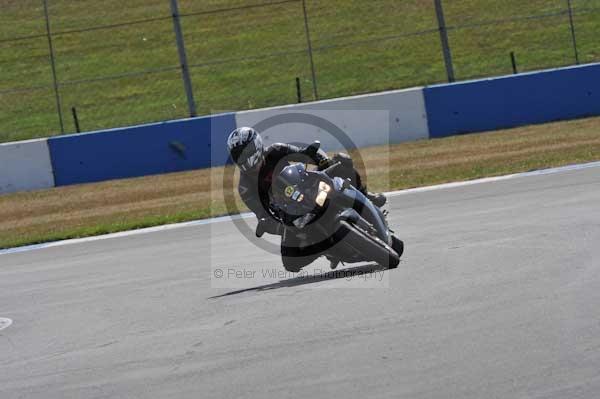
[(68, 66)]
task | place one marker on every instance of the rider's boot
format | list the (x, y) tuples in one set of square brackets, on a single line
[(377, 199)]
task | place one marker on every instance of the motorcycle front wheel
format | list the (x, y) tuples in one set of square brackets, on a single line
[(370, 247)]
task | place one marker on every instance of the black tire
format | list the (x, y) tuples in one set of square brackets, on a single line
[(398, 245), (372, 247)]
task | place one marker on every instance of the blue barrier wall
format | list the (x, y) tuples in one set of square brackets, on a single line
[(140, 150), (450, 109), (511, 101)]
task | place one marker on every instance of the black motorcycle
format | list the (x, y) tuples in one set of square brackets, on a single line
[(328, 216)]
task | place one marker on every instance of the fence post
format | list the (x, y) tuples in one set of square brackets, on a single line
[(513, 61), (439, 10), (298, 90), (310, 51), (53, 65), (75, 119), (574, 38), (185, 72)]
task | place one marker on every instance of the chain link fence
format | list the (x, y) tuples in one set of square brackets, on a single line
[(68, 66)]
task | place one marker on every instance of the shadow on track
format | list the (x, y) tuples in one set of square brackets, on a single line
[(303, 280)]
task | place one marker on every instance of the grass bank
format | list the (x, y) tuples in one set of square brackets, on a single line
[(92, 209), (244, 57)]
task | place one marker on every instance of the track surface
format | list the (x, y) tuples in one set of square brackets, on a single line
[(498, 296)]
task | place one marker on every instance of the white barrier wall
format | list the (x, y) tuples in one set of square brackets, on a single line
[(25, 165), (368, 120)]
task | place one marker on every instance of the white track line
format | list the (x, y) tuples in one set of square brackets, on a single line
[(246, 215), (561, 169)]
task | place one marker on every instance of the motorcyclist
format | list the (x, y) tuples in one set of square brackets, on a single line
[(259, 166)]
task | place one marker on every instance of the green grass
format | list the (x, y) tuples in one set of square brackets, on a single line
[(106, 207), (356, 51), (102, 227)]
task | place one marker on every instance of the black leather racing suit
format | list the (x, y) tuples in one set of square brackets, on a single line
[(254, 187)]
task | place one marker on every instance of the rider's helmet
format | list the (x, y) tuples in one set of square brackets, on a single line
[(246, 148)]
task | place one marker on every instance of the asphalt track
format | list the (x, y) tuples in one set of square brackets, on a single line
[(497, 296)]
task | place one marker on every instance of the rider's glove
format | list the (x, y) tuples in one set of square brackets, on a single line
[(318, 156), (312, 150)]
